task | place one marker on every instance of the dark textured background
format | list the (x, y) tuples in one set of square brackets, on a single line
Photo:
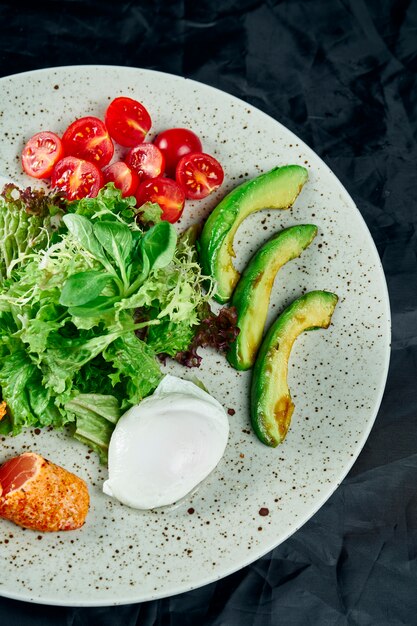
[(342, 75)]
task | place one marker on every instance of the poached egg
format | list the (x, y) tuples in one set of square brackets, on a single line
[(162, 448)]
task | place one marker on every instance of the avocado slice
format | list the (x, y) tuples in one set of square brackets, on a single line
[(271, 404), (277, 189), (252, 294)]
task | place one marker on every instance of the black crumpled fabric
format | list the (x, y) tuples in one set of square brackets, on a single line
[(342, 75)]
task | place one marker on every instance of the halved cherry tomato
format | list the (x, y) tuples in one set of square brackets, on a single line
[(175, 143), (146, 160), (128, 121), (41, 153), (122, 176), (77, 178), (88, 138), (166, 193), (199, 174)]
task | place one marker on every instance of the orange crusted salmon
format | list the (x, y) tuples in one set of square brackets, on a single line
[(42, 496), (2, 409)]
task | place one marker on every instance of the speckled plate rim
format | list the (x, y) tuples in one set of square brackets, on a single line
[(320, 501)]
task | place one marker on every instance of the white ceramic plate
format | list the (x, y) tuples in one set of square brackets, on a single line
[(336, 376)]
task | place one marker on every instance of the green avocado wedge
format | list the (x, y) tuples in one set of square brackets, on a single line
[(252, 294), (276, 189), (271, 403)]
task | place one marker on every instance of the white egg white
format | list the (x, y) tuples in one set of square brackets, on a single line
[(166, 445)]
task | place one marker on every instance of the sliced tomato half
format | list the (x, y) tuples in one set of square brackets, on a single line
[(128, 121), (88, 138), (166, 193), (146, 160), (77, 178), (199, 175), (123, 177), (41, 153)]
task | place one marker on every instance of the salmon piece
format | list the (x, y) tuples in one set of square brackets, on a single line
[(3, 408), (42, 496)]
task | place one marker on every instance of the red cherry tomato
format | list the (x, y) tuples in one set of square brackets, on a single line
[(41, 153), (88, 138), (128, 121), (166, 193), (199, 174), (175, 143), (146, 160), (122, 176), (77, 178)]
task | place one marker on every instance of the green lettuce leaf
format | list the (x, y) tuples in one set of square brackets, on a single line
[(28, 220), (95, 416), (29, 402), (108, 204), (134, 366), (149, 213), (169, 337), (65, 356)]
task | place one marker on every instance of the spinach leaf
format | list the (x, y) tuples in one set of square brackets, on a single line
[(83, 287), (141, 276), (116, 239), (159, 243), (94, 308), (82, 229)]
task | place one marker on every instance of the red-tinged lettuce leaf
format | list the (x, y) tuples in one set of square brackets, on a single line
[(34, 201), (216, 331)]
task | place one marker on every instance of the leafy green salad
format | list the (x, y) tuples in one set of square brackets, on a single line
[(90, 292)]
